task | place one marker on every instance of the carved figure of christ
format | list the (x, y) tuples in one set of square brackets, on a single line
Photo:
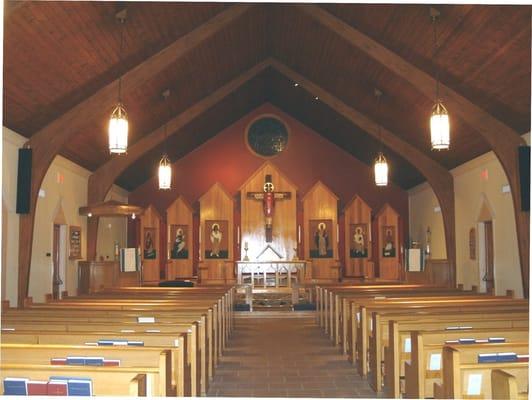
[(268, 197)]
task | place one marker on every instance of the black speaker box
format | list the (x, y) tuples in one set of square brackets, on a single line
[(524, 176), (24, 181)]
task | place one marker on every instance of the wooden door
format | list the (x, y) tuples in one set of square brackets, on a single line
[(56, 279), (489, 277)]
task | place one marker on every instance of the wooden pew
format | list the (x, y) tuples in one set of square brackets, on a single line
[(361, 329), (182, 377), (151, 357), (208, 350), (504, 386), (401, 326), (456, 372), (109, 381), (419, 379), (195, 368)]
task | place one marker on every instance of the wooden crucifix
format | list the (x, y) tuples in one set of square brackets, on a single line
[(268, 197)]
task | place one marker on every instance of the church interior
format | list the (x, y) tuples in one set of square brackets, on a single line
[(265, 200)]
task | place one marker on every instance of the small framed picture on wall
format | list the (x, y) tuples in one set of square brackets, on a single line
[(74, 235), (178, 242), (388, 247), (320, 231), (150, 246)]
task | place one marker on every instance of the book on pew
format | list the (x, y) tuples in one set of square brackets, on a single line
[(466, 341), (487, 358), (435, 362), (37, 388), (58, 361), (79, 387), (135, 343), (75, 386), (112, 342), (127, 331), (57, 388), (96, 361), (474, 385), (111, 363), (152, 331), (146, 320), (522, 357), (481, 341), (452, 342), (496, 340), (75, 360), (457, 328), (504, 357), (16, 386)]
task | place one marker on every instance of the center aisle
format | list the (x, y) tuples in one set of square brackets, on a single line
[(275, 354)]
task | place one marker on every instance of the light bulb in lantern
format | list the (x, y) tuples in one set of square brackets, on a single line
[(381, 170), (165, 173), (439, 127), (118, 130)]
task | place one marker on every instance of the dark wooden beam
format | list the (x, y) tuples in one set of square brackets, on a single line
[(47, 142), (103, 178), (437, 176), (11, 6), (503, 140)]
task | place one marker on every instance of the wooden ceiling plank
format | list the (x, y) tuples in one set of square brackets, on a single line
[(103, 178), (438, 177), (47, 142), (503, 140)]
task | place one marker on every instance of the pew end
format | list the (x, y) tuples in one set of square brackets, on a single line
[(503, 385), (28, 301), (137, 386)]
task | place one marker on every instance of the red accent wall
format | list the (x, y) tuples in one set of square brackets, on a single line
[(308, 158)]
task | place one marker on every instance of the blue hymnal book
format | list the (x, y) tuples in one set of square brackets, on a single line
[(112, 342), (466, 341), (79, 387), (503, 357), (496, 340), (16, 386), (135, 343), (487, 358), (93, 360), (75, 360)]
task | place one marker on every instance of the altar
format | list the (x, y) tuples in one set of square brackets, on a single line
[(268, 274)]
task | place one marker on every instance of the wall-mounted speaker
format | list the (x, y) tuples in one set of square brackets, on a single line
[(24, 181), (524, 176)]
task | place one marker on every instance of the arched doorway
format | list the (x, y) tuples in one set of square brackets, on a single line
[(486, 258)]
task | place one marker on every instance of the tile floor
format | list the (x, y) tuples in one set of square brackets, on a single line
[(284, 356)]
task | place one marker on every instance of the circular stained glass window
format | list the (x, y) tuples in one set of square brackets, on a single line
[(267, 136)]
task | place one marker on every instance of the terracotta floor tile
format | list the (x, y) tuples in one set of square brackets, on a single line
[(285, 357)]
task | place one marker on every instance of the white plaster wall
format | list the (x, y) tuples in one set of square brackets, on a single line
[(70, 193), (470, 188)]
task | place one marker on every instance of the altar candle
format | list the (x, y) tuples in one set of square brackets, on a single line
[(337, 233), (238, 235), (299, 234)]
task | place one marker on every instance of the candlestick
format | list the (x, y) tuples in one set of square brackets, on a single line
[(299, 234), (238, 235)]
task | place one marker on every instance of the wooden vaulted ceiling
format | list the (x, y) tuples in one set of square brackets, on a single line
[(56, 54)]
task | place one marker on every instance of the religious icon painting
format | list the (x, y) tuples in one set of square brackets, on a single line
[(388, 234), (216, 239), (358, 242), (178, 242), (320, 231), (150, 245)]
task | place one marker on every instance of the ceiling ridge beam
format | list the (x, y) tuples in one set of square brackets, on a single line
[(503, 140), (103, 178), (48, 141), (437, 176)]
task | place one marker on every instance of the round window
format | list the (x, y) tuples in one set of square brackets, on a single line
[(267, 136)]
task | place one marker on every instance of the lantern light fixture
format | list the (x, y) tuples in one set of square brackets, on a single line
[(165, 168), (381, 165), (118, 123), (440, 128)]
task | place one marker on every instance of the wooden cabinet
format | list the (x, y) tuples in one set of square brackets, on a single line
[(97, 275)]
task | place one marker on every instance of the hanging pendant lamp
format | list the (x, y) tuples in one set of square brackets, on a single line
[(381, 165), (118, 123), (165, 168), (440, 136)]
